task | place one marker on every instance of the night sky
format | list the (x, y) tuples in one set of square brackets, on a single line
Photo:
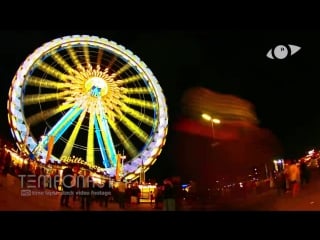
[(285, 92)]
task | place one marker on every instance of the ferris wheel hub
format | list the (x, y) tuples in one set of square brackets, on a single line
[(97, 86)]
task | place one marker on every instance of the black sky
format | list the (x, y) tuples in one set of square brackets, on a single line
[(284, 92)]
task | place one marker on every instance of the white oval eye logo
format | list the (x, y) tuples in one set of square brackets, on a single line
[(282, 51)]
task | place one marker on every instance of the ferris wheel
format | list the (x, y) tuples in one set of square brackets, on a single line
[(90, 98)]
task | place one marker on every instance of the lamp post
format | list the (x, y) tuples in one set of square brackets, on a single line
[(142, 173), (213, 121), (123, 157)]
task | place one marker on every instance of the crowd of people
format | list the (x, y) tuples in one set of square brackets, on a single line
[(76, 185), (293, 177)]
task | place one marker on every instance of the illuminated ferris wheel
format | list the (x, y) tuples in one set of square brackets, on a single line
[(90, 98)]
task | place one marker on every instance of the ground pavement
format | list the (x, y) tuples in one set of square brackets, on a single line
[(308, 199)]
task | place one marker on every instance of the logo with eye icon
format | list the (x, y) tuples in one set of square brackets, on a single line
[(282, 51)]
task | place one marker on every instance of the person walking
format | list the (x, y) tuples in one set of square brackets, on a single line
[(67, 175)]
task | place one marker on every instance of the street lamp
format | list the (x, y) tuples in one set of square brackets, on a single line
[(213, 121)]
